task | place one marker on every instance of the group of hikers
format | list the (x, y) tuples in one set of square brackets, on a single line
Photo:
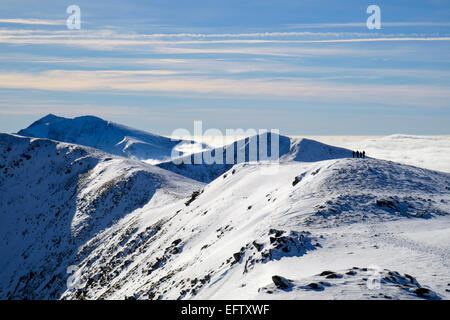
[(359, 154)]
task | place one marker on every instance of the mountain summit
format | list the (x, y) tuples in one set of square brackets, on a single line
[(258, 148), (120, 140), (105, 135)]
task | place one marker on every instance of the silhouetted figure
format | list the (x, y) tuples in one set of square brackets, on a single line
[(357, 154), (353, 153), (364, 154)]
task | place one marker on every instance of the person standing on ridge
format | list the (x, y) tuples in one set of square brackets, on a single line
[(357, 153), (364, 154), (353, 153)]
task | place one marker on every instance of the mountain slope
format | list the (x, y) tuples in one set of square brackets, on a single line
[(204, 166), (104, 135), (241, 230), (198, 166), (306, 150), (318, 229), (54, 197)]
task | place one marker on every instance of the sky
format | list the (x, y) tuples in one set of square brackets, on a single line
[(305, 67)]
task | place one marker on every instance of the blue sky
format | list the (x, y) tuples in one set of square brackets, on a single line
[(304, 67)]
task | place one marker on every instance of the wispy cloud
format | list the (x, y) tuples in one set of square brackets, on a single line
[(214, 66), (363, 25), (65, 109), (32, 22), (109, 40), (380, 39), (201, 60), (286, 88)]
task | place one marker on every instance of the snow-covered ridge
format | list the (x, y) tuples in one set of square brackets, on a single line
[(318, 228), (104, 135), (121, 140), (258, 148), (54, 197), (307, 150), (231, 238)]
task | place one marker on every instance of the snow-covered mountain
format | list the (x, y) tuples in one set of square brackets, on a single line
[(332, 227), (56, 197), (104, 135), (198, 165)]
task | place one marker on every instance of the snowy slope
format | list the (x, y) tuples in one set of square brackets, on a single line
[(104, 135), (207, 165), (250, 148), (54, 197), (247, 227), (430, 152), (306, 150), (316, 229), (240, 231)]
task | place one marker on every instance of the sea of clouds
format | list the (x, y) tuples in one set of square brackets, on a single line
[(430, 152)]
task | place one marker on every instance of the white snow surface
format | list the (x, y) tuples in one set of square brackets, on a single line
[(315, 228), (107, 136), (197, 166), (430, 152), (55, 197)]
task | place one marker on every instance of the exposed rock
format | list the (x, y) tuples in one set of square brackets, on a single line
[(281, 282), (194, 196)]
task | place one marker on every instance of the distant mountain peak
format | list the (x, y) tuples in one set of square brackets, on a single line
[(47, 118), (289, 149), (105, 135), (307, 150)]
